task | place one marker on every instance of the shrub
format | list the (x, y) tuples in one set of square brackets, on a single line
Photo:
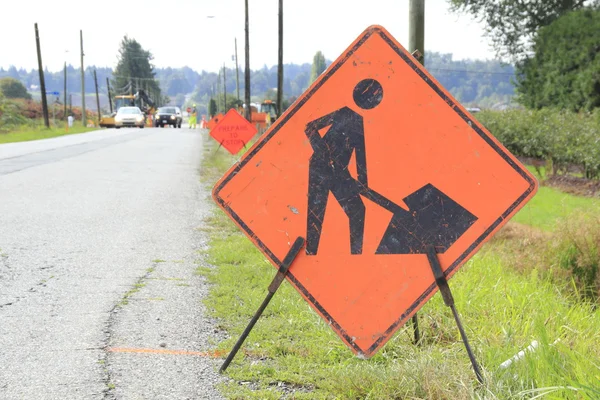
[(569, 257), (13, 89), (575, 250), (564, 138), (10, 114)]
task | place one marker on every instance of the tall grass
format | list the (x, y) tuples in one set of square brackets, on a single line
[(568, 256)]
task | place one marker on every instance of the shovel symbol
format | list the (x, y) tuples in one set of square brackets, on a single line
[(433, 218)]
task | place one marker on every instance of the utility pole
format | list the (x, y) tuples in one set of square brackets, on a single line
[(224, 89), (237, 72), (109, 95), (65, 94), (70, 104), (42, 82), (416, 43), (83, 118), (97, 97), (416, 28), (218, 92), (280, 63), (248, 111)]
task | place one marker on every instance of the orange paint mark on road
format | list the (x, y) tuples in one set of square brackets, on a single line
[(214, 354)]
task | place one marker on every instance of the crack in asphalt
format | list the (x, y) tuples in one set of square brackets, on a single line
[(109, 390), (32, 289)]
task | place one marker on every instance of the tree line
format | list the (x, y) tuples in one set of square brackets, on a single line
[(473, 82), (554, 45)]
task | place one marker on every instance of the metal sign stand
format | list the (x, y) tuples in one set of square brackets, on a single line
[(220, 144), (440, 280), (442, 283), (277, 280)]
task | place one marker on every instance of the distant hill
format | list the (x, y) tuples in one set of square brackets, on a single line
[(472, 82)]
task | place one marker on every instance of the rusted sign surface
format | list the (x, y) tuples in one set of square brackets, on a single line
[(233, 131), (373, 162)]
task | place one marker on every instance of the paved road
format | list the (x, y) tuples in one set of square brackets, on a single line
[(99, 242)]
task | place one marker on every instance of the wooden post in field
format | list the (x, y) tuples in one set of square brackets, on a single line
[(248, 111), (97, 97), (109, 95), (416, 28), (218, 91), (65, 94), (83, 118), (416, 41), (237, 73), (42, 82), (280, 63)]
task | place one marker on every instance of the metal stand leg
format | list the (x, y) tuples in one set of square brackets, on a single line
[(283, 270), (220, 144), (442, 283), (415, 323)]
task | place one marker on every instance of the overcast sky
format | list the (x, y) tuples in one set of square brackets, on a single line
[(200, 33)]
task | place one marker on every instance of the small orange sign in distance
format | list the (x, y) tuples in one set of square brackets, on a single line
[(214, 121), (375, 161), (233, 131)]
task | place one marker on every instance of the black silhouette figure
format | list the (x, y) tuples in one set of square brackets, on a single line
[(328, 167), (433, 218)]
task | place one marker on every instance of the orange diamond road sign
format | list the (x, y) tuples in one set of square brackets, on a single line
[(233, 131), (214, 121), (373, 162)]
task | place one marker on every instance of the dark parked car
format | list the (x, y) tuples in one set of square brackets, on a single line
[(168, 116)]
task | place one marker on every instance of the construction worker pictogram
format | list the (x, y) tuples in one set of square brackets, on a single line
[(379, 169), (328, 172)]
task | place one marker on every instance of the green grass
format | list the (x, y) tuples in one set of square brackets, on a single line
[(292, 353), (24, 134), (549, 206)]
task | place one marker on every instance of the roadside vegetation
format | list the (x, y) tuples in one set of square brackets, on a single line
[(21, 120), (37, 130), (537, 280), (557, 141)]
